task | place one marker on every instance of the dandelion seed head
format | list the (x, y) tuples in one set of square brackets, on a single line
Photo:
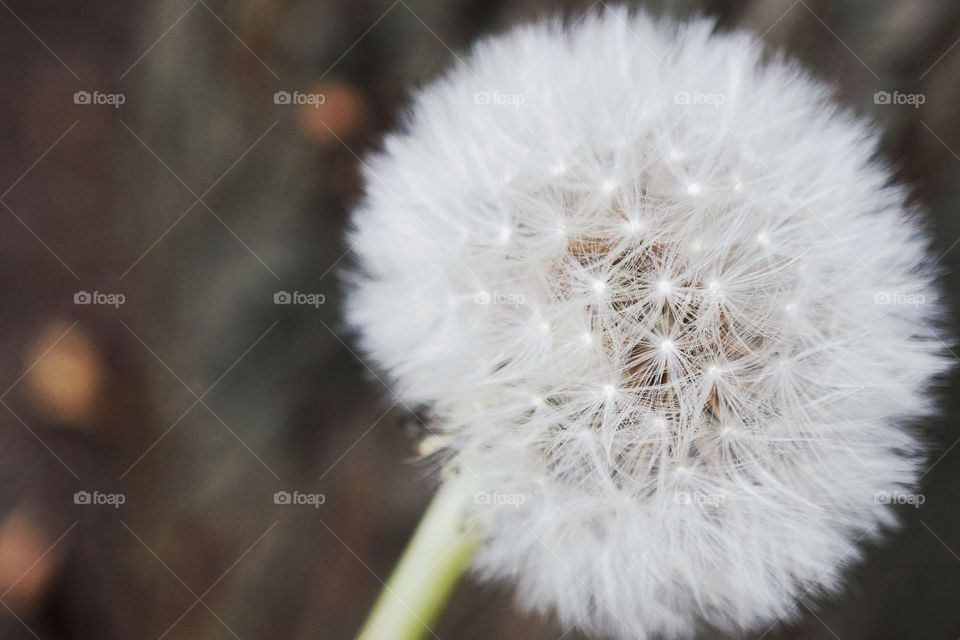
[(785, 395)]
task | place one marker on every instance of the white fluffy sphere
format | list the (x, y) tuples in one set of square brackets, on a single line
[(665, 305)]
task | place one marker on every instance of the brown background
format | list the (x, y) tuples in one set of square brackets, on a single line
[(199, 398)]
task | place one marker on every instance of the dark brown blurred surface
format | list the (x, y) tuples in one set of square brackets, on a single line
[(198, 398)]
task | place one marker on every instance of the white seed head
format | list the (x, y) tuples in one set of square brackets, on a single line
[(710, 427)]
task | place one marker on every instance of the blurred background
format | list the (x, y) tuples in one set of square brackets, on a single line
[(169, 177)]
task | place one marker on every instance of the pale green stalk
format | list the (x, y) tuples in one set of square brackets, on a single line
[(431, 566)]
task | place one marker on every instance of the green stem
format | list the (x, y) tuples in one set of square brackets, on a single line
[(431, 566)]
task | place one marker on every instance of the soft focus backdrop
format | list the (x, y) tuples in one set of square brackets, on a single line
[(161, 195)]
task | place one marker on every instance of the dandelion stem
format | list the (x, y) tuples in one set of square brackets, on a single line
[(431, 566)]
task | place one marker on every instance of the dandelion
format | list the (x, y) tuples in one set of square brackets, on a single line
[(718, 365)]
